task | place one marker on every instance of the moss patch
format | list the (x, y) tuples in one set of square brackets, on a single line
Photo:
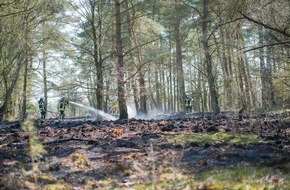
[(243, 177), (58, 186), (214, 138)]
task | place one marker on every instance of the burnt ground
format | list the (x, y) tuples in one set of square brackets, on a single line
[(90, 154)]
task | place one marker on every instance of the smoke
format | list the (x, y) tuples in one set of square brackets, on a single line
[(131, 109)]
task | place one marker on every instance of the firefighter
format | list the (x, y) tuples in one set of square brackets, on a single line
[(42, 109), (188, 105), (61, 107)]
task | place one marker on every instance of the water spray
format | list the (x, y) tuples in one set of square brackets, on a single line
[(96, 111)]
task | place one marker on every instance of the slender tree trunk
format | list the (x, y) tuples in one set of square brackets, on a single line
[(208, 60), (174, 91), (263, 69), (25, 81), (120, 67), (44, 56), (151, 90), (241, 85), (222, 60), (226, 73), (271, 93), (23, 115), (244, 65), (45, 89), (170, 79), (136, 98), (205, 94), (141, 80), (164, 94), (107, 98), (158, 88), (229, 69)]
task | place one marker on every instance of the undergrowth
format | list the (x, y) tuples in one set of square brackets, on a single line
[(36, 151)]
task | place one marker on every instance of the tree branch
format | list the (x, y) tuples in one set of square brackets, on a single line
[(237, 19), (267, 45), (284, 32)]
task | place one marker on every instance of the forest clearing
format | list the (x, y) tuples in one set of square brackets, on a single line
[(174, 152)]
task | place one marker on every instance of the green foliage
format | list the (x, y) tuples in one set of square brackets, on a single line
[(36, 150), (52, 6), (35, 147)]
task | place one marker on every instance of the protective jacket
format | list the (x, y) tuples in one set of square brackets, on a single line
[(188, 102), (41, 105), (62, 104)]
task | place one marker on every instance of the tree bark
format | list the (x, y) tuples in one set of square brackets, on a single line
[(170, 88), (97, 60), (120, 66), (225, 61), (23, 115), (180, 75), (263, 69), (208, 60), (44, 54), (271, 92), (25, 79), (141, 80)]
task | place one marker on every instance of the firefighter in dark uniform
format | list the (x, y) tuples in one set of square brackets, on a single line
[(42, 109), (61, 107)]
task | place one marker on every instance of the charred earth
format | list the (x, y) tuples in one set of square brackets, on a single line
[(177, 151)]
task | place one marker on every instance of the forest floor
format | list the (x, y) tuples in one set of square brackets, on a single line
[(169, 152)]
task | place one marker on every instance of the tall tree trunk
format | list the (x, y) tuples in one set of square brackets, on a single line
[(205, 102), (222, 60), (180, 75), (23, 115), (134, 41), (120, 66), (269, 68), (242, 78), (243, 100), (164, 94), (151, 88), (45, 89), (226, 73), (208, 59), (170, 87), (263, 69), (158, 88), (97, 60), (141, 80), (44, 56), (202, 81), (244, 66), (229, 69), (25, 81)]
